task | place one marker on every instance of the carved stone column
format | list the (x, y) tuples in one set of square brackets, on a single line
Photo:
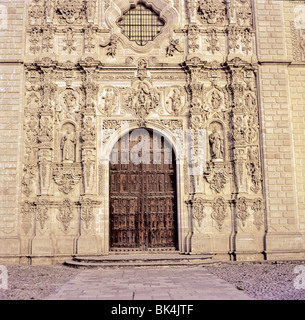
[(46, 124), (89, 125)]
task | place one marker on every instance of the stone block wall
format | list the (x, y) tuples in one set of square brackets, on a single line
[(11, 100), (282, 115)]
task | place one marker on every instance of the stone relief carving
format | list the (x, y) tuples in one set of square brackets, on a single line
[(36, 14), (88, 163), (200, 106), (90, 10), (27, 212), (70, 104), (66, 176), (217, 101), (31, 127), (49, 10), (29, 172), (88, 133), (218, 180), (142, 99), (216, 141), (69, 41), (45, 133), (42, 213), (87, 214), (219, 212), (193, 37), (68, 144), (70, 11), (212, 39), (111, 46), (298, 42), (254, 170), (44, 163), (244, 13), (233, 36), (35, 40), (176, 101), (246, 40), (242, 210), (173, 47), (198, 210), (258, 208), (48, 32), (211, 11), (89, 37), (109, 101), (142, 69), (65, 214)]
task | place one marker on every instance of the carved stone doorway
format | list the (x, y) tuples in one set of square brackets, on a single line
[(143, 193)]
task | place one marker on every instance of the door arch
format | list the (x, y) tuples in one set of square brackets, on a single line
[(142, 192)]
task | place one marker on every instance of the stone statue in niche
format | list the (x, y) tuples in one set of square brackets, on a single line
[(68, 144), (216, 145)]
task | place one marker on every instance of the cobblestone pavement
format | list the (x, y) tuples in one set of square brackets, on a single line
[(148, 284), (267, 281)]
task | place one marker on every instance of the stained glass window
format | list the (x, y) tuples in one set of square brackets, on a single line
[(141, 24)]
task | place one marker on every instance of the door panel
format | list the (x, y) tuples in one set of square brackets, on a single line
[(143, 199)]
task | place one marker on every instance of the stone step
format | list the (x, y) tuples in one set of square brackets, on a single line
[(141, 260), (141, 257), (143, 264)]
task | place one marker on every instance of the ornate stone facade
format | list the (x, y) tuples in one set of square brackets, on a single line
[(200, 82)]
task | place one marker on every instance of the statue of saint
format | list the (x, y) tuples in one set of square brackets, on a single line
[(216, 143), (67, 146), (215, 100)]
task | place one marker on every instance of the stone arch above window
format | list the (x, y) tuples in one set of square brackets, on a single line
[(165, 19)]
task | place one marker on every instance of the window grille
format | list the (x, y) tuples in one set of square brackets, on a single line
[(141, 24)]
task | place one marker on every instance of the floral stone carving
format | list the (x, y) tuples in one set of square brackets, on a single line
[(198, 210), (66, 176)]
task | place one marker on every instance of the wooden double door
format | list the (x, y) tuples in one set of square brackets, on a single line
[(143, 192)]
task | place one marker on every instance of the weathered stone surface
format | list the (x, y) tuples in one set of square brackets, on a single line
[(223, 82)]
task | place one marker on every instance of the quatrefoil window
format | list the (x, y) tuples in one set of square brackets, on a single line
[(141, 24)]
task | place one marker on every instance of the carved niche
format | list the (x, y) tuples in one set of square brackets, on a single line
[(68, 143), (216, 142)]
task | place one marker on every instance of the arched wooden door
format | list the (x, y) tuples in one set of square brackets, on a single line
[(143, 192)]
